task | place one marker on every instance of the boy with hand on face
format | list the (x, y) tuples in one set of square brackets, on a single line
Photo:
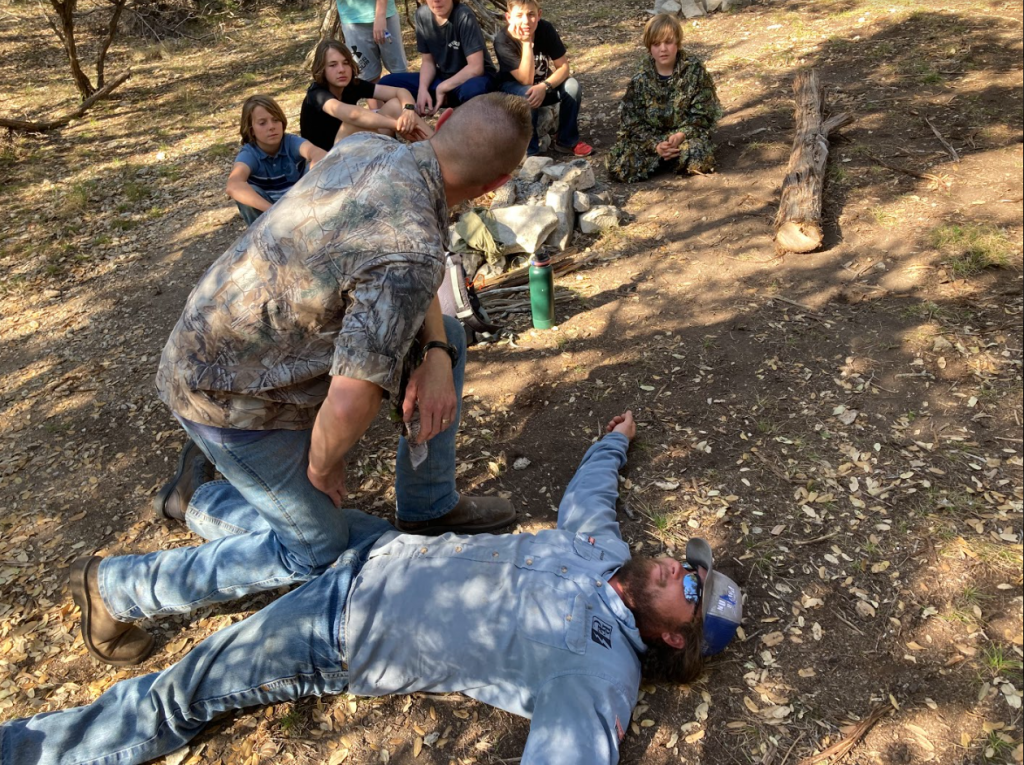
[(532, 62)]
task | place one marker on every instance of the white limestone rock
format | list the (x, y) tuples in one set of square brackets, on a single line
[(584, 200), (691, 8), (598, 219), (504, 195), (580, 175), (559, 199), (666, 6), (523, 228), (533, 167)]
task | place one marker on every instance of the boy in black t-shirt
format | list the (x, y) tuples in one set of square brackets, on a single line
[(330, 112), (455, 65), (533, 63)]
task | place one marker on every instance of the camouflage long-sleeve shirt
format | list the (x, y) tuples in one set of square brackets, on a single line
[(654, 108), (335, 279)]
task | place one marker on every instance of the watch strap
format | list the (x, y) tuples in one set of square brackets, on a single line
[(452, 353)]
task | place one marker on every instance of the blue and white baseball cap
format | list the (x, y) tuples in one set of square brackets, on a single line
[(722, 603)]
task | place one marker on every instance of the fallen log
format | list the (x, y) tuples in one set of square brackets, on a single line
[(798, 223), (59, 122)]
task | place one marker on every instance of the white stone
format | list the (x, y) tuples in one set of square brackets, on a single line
[(598, 219), (583, 201), (691, 8), (580, 175), (712, 5), (559, 199), (523, 228), (532, 168), (504, 195), (555, 172), (666, 6)]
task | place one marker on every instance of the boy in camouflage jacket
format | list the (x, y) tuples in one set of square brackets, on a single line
[(668, 111)]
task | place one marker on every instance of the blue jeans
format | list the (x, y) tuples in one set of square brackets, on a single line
[(568, 96), (294, 647), (266, 524), (471, 88), (250, 214)]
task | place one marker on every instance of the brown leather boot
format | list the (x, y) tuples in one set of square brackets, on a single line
[(112, 642), (471, 516), (193, 471)]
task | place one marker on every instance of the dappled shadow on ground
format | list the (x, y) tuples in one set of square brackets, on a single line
[(841, 425)]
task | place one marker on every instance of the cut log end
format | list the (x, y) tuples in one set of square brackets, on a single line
[(794, 236)]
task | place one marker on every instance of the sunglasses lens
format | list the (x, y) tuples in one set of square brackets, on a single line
[(692, 588)]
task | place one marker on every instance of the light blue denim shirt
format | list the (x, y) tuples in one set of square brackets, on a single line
[(527, 623)]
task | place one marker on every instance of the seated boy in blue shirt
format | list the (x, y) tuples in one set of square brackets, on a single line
[(270, 162), (532, 63)]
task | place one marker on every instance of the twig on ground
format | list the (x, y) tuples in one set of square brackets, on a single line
[(791, 748), (816, 539), (945, 144), (840, 748), (850, 624)]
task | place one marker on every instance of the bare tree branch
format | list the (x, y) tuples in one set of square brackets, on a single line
[(54, 124)]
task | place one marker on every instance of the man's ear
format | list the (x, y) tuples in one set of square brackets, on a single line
[(673, 639), (443, 118), (508, 16)]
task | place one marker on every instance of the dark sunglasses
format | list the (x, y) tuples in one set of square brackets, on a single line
[(693, 589)]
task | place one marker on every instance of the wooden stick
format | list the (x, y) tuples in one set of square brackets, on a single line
[(943, 141), (837, 750), (59, 122), (798, 222)]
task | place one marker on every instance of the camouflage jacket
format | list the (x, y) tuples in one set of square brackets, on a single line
[(654, 108), (334, 279)]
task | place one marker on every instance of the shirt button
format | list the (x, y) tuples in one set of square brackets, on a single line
[(423, 549), (569, 618), (494, 554), (529, 561), (564, 569), (598, 583), (458, 549)]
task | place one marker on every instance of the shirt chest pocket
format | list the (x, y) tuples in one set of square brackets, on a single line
[(554, 619)]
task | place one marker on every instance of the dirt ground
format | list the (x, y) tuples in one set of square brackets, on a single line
[(844, 426)]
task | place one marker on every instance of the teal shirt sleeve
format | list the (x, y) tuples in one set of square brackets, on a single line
[(588, 505), (577, 720)]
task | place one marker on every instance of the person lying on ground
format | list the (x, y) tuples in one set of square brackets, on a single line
[(557, 626), (330, 110), (454, 63), (533, 63), (280, 361), (271, 161), (668, 112)]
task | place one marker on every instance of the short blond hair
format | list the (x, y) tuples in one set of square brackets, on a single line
[(484, 138), (663, 27), (268, 103)]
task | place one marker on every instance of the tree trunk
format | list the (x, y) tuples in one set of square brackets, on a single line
[(48, 125), (798, 223), (101, 57), (66, 32), (330, 29)]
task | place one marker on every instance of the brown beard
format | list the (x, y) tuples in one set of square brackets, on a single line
[(634, 577)]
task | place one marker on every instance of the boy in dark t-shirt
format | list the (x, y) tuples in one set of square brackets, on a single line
[(533, 63), (329, 111), (455, 65)]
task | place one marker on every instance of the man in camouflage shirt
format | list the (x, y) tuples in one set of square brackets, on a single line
[(668, 112), (280, 361)]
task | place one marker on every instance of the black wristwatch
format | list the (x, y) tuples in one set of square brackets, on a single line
[(452, 353), (409, 107)]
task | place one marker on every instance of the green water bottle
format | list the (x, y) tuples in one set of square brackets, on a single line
[(542, 292)]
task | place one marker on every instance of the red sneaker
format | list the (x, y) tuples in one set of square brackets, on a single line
[(581, 149)]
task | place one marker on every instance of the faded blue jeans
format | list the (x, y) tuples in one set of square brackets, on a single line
[(266, 524), (568, 96), (294, 647)]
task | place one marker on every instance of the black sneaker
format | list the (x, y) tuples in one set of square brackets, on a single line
[(193, 471)]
